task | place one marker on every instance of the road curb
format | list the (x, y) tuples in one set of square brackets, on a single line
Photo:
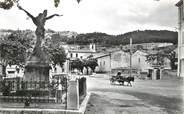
[(83, 106)]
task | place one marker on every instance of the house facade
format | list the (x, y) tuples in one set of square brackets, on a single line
[(139, 61), (103, 62), (112, 60), (180, 71), (81, 53), (120, 59)]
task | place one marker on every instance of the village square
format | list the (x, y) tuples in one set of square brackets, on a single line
[(46, 69)]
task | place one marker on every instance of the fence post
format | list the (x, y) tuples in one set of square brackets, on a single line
[(73, 95), (59, 92), (82, 86)]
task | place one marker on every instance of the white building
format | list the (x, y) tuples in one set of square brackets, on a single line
[(103, 62), (180, 71), (14, 71), (112, 60), (139, 61), (81, 53), (120, 59)]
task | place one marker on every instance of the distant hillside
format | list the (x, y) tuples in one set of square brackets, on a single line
[(147, 36), (103, 39)]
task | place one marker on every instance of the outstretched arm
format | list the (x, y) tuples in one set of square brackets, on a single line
[(49, 17), (31, 16)]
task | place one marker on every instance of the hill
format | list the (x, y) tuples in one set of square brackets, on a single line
[(147, 36), (103, 39)]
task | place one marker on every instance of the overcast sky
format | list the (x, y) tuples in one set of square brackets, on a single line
[(109, 16)]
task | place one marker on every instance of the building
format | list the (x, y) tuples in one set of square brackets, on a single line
[(180, 71), (103, 62), (139, 61), (120, 59), (81, 53), (112, 60)]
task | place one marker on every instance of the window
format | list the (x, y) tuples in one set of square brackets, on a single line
[(104, 63), (71, 55), (76, 54)]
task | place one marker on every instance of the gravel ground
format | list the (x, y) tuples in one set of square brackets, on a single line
[(145, 97)]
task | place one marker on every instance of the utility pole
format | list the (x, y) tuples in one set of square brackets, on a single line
[(110, 65), (130, 57)]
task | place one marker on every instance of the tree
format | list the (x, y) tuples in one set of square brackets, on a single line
[(56, 54), (164, 52), (156, 59), (92, 63), (78, 64), (13, 50), (8, 4), (172, 57)]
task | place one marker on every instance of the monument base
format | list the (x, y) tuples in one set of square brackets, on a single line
[(37, 72)]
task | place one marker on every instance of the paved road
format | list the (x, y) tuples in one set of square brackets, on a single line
[(145, 97)]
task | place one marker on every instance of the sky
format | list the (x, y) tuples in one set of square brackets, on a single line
[(107, 16)]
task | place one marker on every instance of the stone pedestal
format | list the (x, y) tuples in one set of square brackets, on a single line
[(36, 70), (37, 73), (73, 95)]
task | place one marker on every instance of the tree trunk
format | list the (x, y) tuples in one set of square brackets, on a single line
[(87, 71), (93, 70), (81, 70)]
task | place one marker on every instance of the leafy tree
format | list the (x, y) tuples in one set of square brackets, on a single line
[(8, 4), (164, 52), (172, 57), (92, 63), (78, 64), (56, 54), (170, 53), (13, 51), (156, 59)]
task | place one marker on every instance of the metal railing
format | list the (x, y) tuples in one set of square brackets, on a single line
[(33, 91)]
